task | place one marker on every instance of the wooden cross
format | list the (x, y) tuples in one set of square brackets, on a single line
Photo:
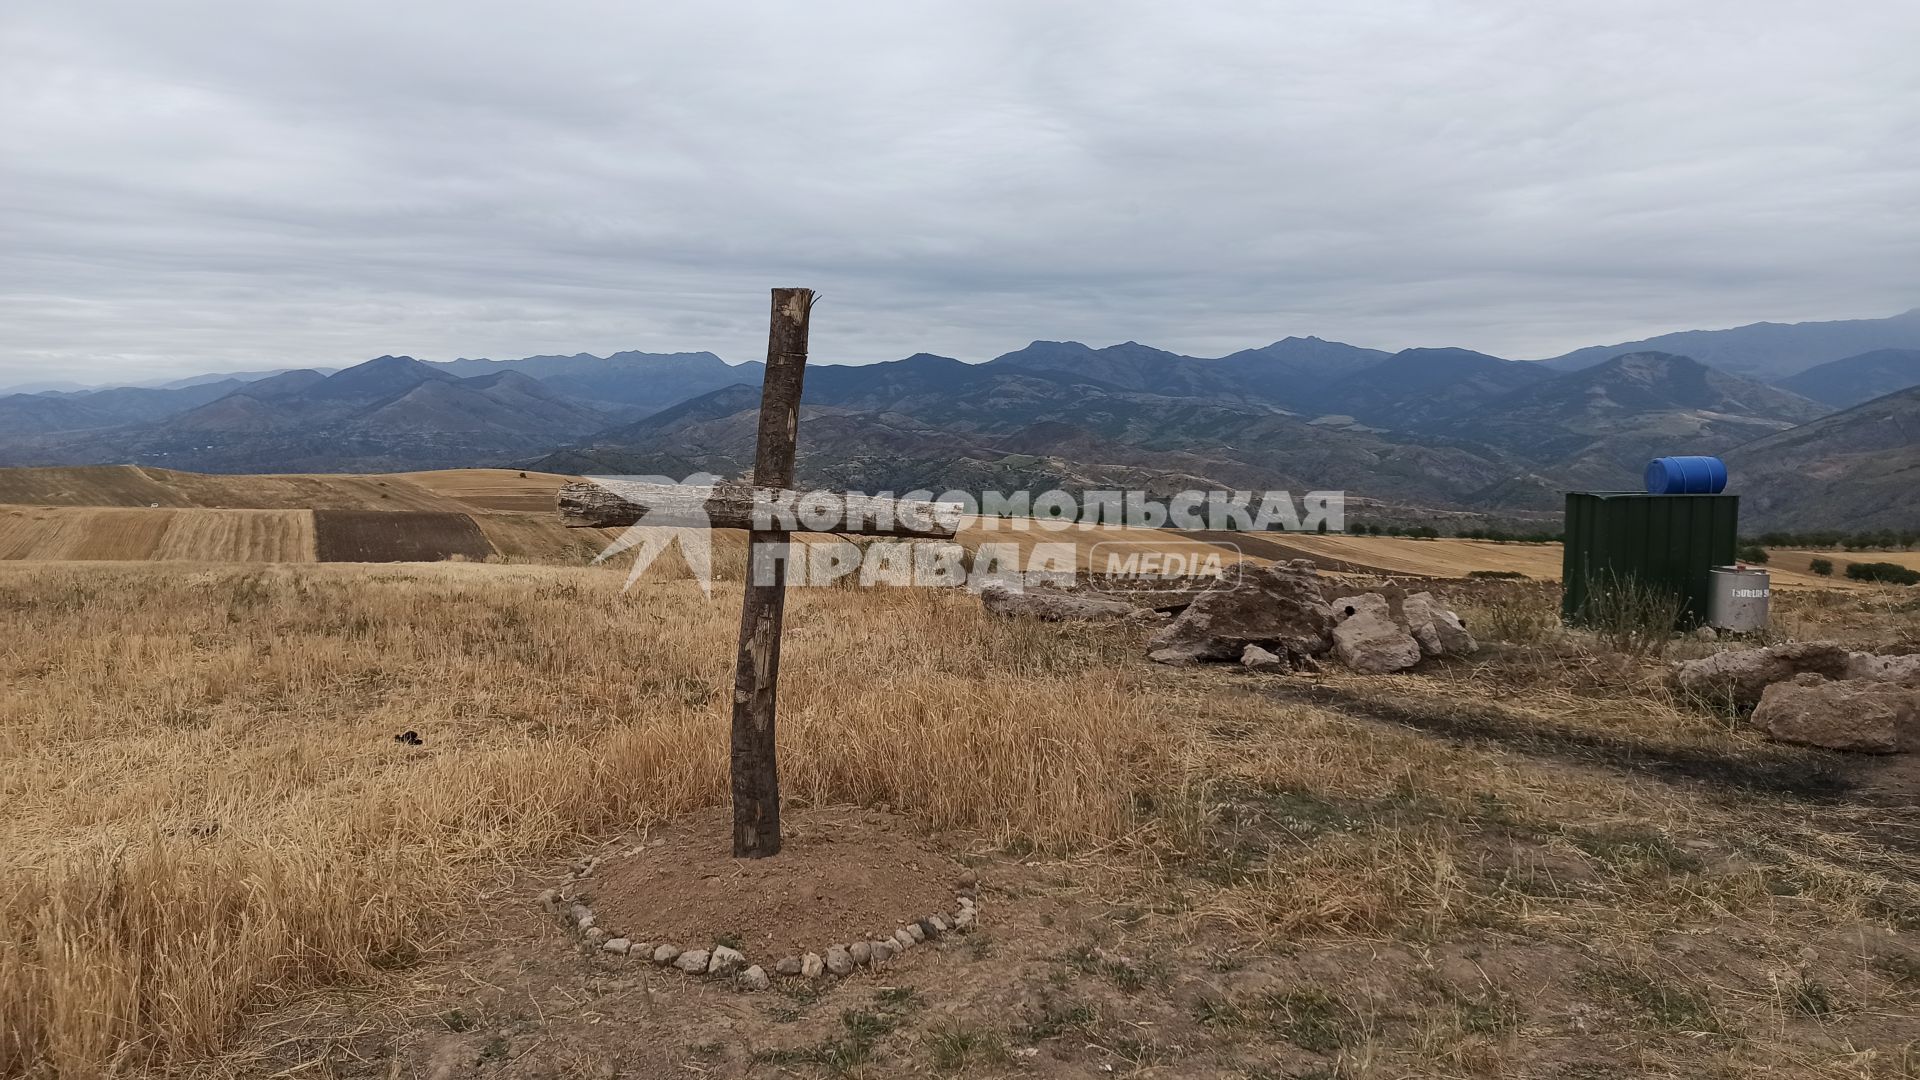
[(754, 762)]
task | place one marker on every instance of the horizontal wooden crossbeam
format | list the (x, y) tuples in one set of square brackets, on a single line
[(611, 502)]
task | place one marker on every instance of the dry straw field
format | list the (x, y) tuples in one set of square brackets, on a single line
[(217, 861)]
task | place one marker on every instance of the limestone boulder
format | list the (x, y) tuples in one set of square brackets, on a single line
[(1438, 630), (1417, 614), (1851, 714), (1256, 659), (1367, 638), (1279, 608), (1904, 670), (1739, 677)]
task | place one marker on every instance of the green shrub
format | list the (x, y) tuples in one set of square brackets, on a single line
[(1504, 575), (1823, 567), (1631, 616), (1753, 553), (1883, 571)]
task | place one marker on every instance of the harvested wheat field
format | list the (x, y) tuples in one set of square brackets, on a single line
[(245, 536), (1458, 558), (494, 489), (1534, 862), (137, 485), (93, 533), (1797, 561)]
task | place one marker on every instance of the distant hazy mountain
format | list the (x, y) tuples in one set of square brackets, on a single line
[(634, 382), (1765, 350), (1040, 422), (1600, 426), (1857, 379), (1129, 366), (1300, 359), (1415, 389), (392, 412), (1854, 470), (233, 376), (1450, 429), (50, 411)]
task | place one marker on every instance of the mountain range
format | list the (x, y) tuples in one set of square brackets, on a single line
[(1418, 432)]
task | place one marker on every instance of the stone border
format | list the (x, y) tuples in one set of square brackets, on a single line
[(570, 904)]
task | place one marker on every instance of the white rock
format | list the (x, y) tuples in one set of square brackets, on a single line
[(1418, 610), (725, 961), (595, 935), (861, 951), (904, 939), (1256, 659), (642, 950), (939, 924), (755, 978), (693, 961), (839, 960), (579, 912), (915, 930), (967, 901), (811, 966), (620, 946), (879, 952), (666, 953), (1367, 639), (964, 920), (788, 966)]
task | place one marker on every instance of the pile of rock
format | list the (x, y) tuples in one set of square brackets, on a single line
[(1271, 619), (1815, 693), (570, 904), (1276, 619)]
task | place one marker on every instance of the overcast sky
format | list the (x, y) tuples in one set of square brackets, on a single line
[(193, 186)]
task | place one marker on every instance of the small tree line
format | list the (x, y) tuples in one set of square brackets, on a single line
[(1428, 532), (1876, 539)]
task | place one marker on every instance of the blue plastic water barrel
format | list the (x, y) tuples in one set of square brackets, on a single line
[(1686, 476)]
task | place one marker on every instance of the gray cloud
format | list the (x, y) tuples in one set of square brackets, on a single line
[(228, 184)]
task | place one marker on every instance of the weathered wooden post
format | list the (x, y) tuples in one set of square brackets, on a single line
[(616, 501), (756, 769)]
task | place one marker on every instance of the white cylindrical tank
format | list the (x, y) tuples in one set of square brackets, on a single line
[(1737, 599)]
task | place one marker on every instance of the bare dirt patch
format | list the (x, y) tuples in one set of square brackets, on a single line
[(396, 536), (843, 874)]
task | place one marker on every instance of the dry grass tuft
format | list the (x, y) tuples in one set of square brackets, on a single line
[(206, 810), (206, 805)]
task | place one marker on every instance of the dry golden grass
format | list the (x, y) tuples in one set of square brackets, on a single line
[(205, 809), (1434, 558), (204, 803), (238, 536), (82, 533), (494, 489), (34, 533), (142, 486)]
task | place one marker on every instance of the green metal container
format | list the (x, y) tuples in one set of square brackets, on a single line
[(1671, 542)]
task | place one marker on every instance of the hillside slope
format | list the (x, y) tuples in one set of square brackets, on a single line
[(1765, 350), (1857, 379), (1851, 471), (1599, 427)]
